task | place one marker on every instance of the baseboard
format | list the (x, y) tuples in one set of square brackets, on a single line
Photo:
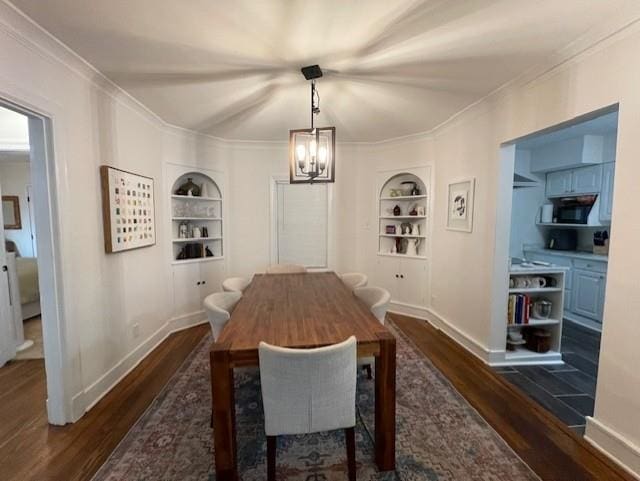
[(86, 399), (614, 445), (411, 310)]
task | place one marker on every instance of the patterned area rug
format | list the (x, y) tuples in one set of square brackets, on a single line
[(440, 437)]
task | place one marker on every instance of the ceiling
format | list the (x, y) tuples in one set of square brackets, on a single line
[(230, 68)]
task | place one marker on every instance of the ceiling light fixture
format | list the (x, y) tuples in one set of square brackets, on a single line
[(312, 151)]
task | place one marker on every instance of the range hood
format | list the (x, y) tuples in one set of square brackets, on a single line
[(522, 181)]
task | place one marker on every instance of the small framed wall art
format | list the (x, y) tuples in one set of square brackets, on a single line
[(128, 210), (460, 205)]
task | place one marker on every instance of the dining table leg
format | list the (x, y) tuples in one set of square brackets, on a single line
[(385, 403), (224, 422)]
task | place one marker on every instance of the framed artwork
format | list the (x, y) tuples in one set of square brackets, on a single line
[(11, 212), (128, 210), (460, 205)]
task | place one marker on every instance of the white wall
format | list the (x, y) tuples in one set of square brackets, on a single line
[(15, 175)]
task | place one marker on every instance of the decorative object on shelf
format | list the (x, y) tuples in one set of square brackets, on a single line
[(413, 187), (312, 151), (396, 210), (394, 193), (190, 251), (542, 309), (128, 210), (390, 229), (208, 252), (183, 231), (196, 234), (412, 247), (460, 205), (415, 229), (11, 212), (205, 231), (538, 340), (394, 249), (421, 210), (189, 188), (401, 245), (414, 210), (405, 228)]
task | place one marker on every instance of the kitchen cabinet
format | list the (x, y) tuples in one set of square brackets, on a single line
[(606, 194), (405, 279), (194, 281), (588, 294), (585, 180)]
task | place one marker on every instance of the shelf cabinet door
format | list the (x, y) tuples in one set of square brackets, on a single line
[(606, 196), (559, 183), (413, 288), (211, 276), (186, 291), (387, 275), (588, 294), (587, 180)]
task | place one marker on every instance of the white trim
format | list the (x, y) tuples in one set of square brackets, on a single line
[(614, 445), (87, 398)]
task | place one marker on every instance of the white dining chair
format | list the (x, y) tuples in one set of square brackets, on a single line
[(286, 269), (354, 279), (235, 284), (219, 307), (306, 391), (377, 300)]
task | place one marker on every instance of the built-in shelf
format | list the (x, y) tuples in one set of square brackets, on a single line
[(389, 254), (524, 355), (407, 236), (196, 239), (533, 290), (577, 226), (403, 216), (536, 322), (198, 259), (190, 197), (196, 218), (404, 197)]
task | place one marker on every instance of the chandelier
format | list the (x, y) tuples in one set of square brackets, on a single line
[(312, 151)]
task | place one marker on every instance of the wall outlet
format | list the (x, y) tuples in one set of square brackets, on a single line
[(136, 330)]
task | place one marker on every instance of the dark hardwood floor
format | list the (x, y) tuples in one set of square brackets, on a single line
[(567, 390), (552, 450), (30, 449)]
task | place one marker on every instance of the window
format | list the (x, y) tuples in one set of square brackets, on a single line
[(302, 211)]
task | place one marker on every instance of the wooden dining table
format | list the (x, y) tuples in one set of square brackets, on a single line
[(299, 311)]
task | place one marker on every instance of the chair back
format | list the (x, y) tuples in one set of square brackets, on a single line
[(308, 390), (376, 298), (286, 269), (235, 284), (219, 307), (354, 279)]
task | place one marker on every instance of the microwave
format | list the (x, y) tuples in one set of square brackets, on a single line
[(574, 210)]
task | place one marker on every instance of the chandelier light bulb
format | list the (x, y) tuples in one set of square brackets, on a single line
[(301, 153)]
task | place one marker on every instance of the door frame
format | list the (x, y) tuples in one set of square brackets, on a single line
[(58, 367)]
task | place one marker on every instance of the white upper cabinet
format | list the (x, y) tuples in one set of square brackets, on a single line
[(587, 180), (566, 154), (606, 196), (559, 183)]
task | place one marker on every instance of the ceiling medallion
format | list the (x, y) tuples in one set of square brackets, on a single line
[(312, 151)]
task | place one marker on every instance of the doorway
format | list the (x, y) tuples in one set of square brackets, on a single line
[(31, 307), (555, 228)]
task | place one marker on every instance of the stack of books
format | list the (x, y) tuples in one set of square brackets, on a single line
[(519, 309)]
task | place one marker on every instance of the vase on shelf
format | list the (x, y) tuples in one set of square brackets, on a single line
[(189, 188)]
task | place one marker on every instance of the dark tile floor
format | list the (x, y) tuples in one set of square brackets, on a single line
[(566, 390)]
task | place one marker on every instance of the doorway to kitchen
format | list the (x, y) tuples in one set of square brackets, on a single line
[(556, 234)]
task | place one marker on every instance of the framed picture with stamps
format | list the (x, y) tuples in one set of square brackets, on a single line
[(128, 210)]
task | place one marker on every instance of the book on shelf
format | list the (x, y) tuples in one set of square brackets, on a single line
[(518, 309)]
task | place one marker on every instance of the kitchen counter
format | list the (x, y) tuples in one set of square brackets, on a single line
[(588, 256)]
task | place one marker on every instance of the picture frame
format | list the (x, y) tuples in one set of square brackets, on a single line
[(460, 204), (128, 210), (11, 212)]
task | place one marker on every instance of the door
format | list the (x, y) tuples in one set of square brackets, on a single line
[(7, 341), (587, 180), (212, 274), (559, 183), (32, 220), (186, 288), (387, 275), (606, 196), (413, 288), (588, 294)]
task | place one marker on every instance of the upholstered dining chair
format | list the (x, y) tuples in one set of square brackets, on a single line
[(354, 279), (307, 391), (377, 300), (235, 284), (219, 307), (286, 269)]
